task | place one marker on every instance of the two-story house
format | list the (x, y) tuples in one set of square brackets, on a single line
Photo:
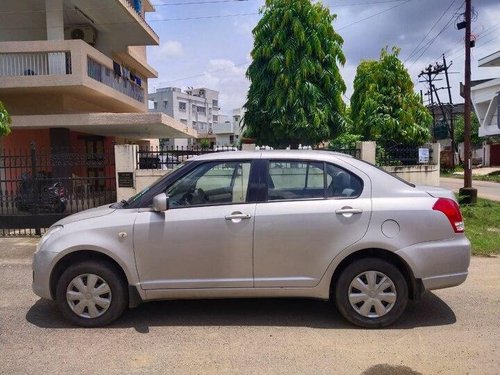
[(74, 74)]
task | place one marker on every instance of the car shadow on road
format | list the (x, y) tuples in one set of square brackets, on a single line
[(430, 311)]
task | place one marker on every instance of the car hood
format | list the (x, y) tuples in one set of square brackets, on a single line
[(437, 192), (87, 214)]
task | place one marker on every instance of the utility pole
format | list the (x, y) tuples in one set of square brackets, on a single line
[(429, 76), (452, 120), (468, 194)]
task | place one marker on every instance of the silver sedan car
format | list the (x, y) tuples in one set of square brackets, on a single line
[(310, 224)]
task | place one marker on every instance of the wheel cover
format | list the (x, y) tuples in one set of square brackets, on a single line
[(88, 296), (372, 294)]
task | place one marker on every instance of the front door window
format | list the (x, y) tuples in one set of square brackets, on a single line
[(211, 184)]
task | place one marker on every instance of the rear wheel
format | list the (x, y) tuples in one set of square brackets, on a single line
[(91, 294), (371, 293)]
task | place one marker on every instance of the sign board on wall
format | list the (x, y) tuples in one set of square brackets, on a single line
[(126, 179), (423, 156)]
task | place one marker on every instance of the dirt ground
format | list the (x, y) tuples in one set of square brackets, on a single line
[(451, 331)]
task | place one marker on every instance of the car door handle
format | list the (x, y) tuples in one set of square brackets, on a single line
[(348, 210), (237, 216)]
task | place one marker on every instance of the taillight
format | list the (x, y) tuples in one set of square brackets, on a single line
[(450, 208)]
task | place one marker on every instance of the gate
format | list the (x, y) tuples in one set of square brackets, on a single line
[(40, 187)]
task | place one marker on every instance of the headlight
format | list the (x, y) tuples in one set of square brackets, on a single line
[(46, 235)]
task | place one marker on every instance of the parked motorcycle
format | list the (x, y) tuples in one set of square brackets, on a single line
[(41, 194)]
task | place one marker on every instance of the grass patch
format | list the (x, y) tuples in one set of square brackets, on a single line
[(492, 177), (482, 226)]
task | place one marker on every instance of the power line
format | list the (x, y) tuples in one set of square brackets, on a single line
[(209, 72), (245, 63), (199, 2), (431, 41), (489, 30), (373, 15), (430, 30), (201, 17)]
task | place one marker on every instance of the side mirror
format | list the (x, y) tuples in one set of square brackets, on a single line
[(160, 202)]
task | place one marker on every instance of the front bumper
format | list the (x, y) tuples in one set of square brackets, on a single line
[(439, 264), (42, 267)]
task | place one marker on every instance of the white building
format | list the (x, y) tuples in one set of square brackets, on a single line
[(197, 109), (229, 128), (485, 99)]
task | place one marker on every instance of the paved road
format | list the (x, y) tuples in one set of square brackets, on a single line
[(453, 331), (485, 189)]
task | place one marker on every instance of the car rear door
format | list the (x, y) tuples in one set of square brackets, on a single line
[(313, 211)]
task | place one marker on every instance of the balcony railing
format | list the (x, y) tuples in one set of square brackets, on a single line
[(74, 62), (35, 64), (105, 75), (132, 6)]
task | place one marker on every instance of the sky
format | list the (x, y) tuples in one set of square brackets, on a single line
[(207, 43)]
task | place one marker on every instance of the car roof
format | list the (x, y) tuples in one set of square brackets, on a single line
[(272, 154)]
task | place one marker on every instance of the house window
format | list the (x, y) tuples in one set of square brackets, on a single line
[(215, 103), (165, 104), (231, 139), (215, 118), (201, 110), (182, 106), (155, 105), (184, 121)]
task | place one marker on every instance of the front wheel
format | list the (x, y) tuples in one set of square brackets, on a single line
[(91, 294), (371, 293)]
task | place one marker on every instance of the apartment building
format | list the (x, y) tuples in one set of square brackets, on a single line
[(74, 74), (198, 109)]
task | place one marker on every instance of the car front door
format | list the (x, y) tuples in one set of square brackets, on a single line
[(205, 238), (314, 210)]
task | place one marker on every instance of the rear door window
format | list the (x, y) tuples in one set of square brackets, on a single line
[(290, 179)]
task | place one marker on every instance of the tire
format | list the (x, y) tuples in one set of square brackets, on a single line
[(109, 286), (59, 207), (371, 307)]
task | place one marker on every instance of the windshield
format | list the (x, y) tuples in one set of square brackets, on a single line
[(144, 191)]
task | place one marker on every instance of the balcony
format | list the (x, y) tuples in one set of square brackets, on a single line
[(55, 72), (122, 23)]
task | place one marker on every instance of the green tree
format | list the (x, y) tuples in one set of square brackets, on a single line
[(384, 106), (295, 93), (459, 129), (348, 137), (5, 121)]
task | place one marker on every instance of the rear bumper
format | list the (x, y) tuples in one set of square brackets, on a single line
[(439, 264), (444, 281)]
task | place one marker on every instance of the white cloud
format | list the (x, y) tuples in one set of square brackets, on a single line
[(171, 49), (229, 79)]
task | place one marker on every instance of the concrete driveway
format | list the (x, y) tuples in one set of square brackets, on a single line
[(452, 331)]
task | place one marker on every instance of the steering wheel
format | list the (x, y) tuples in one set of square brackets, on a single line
[(199, 196), (193, 197)]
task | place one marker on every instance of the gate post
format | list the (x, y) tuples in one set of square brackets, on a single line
[(34, 179), (367, 151), (125, 166)]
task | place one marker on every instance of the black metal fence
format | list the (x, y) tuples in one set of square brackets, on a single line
[(40, 187), (351, 150), (169, 157), (395, 156)]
